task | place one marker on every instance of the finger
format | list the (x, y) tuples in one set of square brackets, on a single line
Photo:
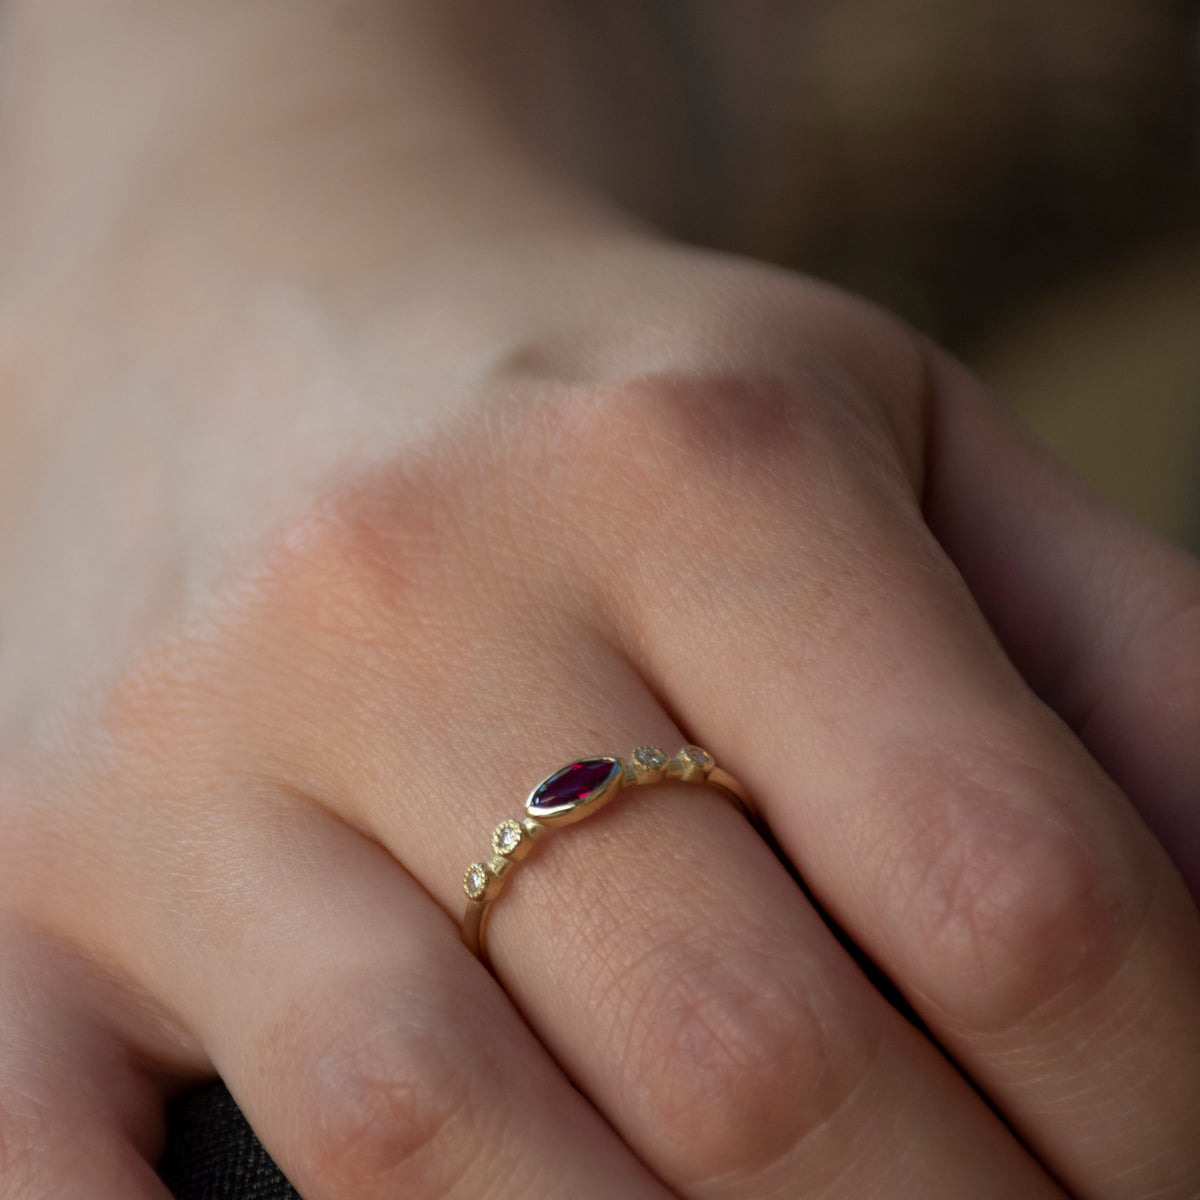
[(1101, 615), (370, 1052), (720, 1028), (950, 823), (76, 1121)]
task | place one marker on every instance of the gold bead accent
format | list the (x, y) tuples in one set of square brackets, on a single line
[(507, 837), (476, 880)]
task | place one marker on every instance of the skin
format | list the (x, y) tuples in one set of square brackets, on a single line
[(363, 460)]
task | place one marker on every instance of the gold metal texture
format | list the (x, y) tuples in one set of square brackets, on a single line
[(512, 839)]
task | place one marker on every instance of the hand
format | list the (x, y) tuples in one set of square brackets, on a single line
[(337, 545)]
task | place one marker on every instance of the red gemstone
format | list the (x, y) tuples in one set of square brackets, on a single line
[(572, 786)]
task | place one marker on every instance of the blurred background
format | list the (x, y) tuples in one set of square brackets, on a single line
[(1020, 179)]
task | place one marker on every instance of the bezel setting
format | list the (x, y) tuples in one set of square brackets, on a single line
[(507, 838), (476, 880), (575, 791)]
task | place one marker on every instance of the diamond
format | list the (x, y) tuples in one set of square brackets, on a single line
[(476, 880), (507, 837), (698, 757), (649, 758)]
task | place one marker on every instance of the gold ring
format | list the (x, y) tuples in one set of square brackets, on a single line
[(571, 793)]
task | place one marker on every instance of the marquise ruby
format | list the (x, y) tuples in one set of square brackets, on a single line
[(574, 785)]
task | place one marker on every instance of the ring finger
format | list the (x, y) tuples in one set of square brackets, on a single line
[(659, 949)]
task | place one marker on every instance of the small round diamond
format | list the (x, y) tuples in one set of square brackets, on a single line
[(476, 880), (507, 837), (700, 758), (649, 758)]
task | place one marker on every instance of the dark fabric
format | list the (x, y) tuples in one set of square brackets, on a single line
[(212, 1153)]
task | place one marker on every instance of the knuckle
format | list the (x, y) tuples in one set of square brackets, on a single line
[(669, 442), (1011, 906), (734, 1062), (348, 566), (377, 1114), (747, 470), (386, 1101), (664, 421), (676, 460)]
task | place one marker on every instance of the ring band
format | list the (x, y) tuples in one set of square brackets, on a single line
[(571, 793)]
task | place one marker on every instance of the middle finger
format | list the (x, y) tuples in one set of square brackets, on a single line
[(950, 822)]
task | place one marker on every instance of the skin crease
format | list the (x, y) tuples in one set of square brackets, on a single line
[(353, 426)]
